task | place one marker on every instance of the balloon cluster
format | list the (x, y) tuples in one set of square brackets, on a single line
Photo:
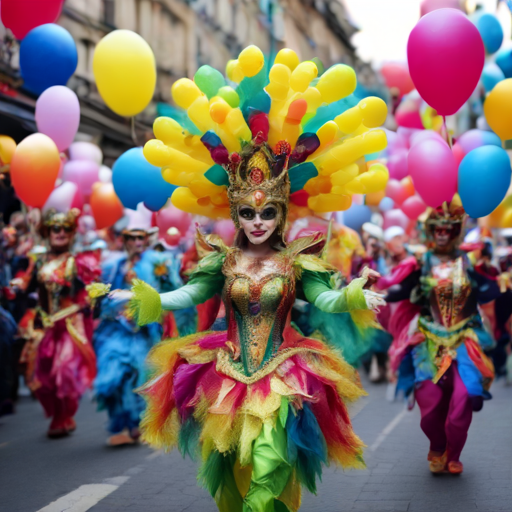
[(295, 102)]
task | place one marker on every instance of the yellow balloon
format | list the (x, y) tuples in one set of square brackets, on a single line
[(302, 76), (373, 111), (125, 72), (324, 203), (498, 109), (168, 131), (234, 71), (287, 57), (219, 109), (338, 82), (184, 92), (7, 148), (251, 60)]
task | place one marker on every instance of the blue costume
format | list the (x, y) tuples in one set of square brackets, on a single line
[(121, 346)]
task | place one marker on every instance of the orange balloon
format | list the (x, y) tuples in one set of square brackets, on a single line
[(408, 186), (105, 205), (7, 148), (374, 198), (34, 169)]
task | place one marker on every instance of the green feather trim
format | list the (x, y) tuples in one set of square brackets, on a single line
[(146, 306)]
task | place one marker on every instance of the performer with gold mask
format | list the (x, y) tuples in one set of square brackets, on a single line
[(65, 361), (264, 406), (441, 360)]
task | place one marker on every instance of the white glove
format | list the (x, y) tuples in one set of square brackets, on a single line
[(374, 300), (121, 295)]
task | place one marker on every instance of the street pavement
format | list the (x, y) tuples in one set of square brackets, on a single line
[(81, 473)]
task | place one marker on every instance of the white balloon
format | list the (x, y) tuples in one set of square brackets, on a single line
[(61, 198), (105, 174), (85, 151)]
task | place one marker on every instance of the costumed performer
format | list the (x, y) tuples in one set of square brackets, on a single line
[(442, 360), (65, 364)]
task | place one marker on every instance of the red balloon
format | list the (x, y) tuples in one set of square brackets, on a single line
[(397, 76), (413, 207), (105, 205), (21, 16), (169, 217), (446, 57)]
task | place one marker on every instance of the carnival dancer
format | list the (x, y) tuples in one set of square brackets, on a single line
[(121, 346), (264, 405), (442, 359), (65, 361)]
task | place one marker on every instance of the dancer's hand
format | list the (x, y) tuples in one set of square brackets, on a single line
[(371, 276), (374, 300)]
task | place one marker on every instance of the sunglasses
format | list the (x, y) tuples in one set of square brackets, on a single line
[(134, 237), (268, 213), (58, 228)]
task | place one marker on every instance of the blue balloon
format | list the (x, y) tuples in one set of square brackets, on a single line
[(491, 75), (491, 32), (504, 61), (484, 179), (386, 204), (356, 216), (136, 181), (48, 57)]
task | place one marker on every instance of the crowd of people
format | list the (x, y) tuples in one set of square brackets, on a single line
[(446, 298)]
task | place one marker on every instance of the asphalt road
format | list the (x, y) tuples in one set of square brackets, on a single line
[(81, 473)]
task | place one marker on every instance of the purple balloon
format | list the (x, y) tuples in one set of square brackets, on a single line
[(58, 115), (433, 170), (476, 138), (84, 173), (446, 56)]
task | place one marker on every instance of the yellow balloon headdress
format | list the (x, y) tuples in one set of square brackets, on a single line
[(288, 116)]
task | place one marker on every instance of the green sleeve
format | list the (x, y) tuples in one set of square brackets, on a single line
[(318, 291), (205, 281)]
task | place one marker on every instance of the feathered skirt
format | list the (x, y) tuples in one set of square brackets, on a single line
[(260, 437)]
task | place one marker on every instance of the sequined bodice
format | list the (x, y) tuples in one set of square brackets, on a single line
[(55, 275), (258, 295), (449, 298)]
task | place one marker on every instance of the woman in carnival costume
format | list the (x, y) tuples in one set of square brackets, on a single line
[(65, 361), (441, 358), (121, 346), (264, 406)]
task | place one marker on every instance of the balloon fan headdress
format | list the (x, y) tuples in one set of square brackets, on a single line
[(282, 131)]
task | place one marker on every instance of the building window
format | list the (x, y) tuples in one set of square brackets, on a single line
[(109, 11)]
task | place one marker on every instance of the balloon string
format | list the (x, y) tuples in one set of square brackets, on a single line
[(134, 133), (448, 137)]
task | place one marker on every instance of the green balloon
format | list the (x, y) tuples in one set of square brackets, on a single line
[(209, 80), (229, 95)]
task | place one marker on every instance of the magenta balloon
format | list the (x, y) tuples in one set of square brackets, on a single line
[(395, 218), (418, 137), (85, 151), (446, 58), (84, 173), (413, 207), (58, 115), (433, 170), (397, 164), (432, 5)]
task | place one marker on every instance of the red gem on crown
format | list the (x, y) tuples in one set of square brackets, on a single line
[(256, 176)]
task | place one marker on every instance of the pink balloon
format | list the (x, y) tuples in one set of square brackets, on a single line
[(422, 135), (396, 191), (58, 115), (446, 58), (226, 230), (397, 164), (83, 173), (413, 207), (172, 217), (85, 151), (432, 5), (64, 197), (433, 170), (458, 153), (408, 118), (395, 218)]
